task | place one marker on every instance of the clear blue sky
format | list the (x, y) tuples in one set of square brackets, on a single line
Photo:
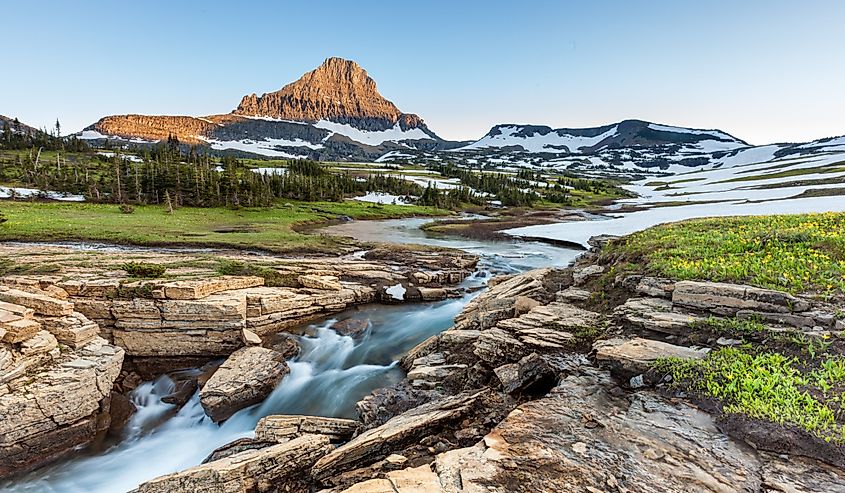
[(765, 71)]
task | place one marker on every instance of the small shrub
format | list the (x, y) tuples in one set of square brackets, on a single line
[(126, 209), (3, 218), (136, 290), (272, 277), (143, 269)]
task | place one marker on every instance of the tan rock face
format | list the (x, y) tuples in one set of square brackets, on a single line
[(338, 90), (276, 468), (46, 414), (245, 378), (326, 283), (411, 480), (155, 127), (281, 428), (636, 443), (41, 303), (195, 289)]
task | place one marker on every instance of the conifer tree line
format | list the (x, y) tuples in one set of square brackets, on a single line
[(168, 173), (510, 190), (16, 136)]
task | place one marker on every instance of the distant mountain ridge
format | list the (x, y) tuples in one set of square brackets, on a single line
[(16, 125), (335, 113), (627, 133)]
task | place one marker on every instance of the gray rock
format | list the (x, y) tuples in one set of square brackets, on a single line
[(635, 356), (728, 299)]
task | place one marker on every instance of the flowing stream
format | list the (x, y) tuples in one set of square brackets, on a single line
[(327, 378)]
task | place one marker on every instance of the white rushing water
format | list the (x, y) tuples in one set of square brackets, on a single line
[(331, 373)]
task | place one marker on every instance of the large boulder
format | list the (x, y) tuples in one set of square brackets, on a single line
[(247, 377), (281, 428), (635, 356), (42, 304), (194, 289), (654, 314)]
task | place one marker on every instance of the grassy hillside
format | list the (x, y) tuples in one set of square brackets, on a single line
[(797, 253)]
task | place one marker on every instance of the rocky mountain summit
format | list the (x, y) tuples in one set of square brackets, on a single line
[(339, 91), (336, 113), (333, 112)]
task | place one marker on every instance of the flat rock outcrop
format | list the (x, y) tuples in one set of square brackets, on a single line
[(247, 377), (206, 314), (636, 443), (727, 299), (632, 357)]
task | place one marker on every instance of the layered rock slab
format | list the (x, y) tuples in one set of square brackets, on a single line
[(279, 467), (247, 377), (47, 414), (401, 430)]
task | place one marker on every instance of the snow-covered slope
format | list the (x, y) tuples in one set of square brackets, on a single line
[(628, 133), (755, 181)]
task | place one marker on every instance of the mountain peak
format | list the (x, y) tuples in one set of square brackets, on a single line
[(340, 91)]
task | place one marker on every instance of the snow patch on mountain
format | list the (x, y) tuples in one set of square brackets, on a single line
[(681, 130), (266, 147), (373, 138), (382, 198), (537, 142), (95, 135)]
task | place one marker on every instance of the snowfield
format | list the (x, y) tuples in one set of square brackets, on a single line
[(372, 138), (267, 147), (129, 157), (95, 135), (740, 190), (682, 130), (7, 192), (537, 142)]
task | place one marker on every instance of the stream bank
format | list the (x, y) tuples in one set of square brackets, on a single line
[(333, 370)]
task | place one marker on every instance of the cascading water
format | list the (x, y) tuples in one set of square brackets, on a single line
[(331, 373)]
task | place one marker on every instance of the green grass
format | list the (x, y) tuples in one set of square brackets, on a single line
[(767, 386), (258, 228), (272, 277), (828, 168), (796, 253)]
